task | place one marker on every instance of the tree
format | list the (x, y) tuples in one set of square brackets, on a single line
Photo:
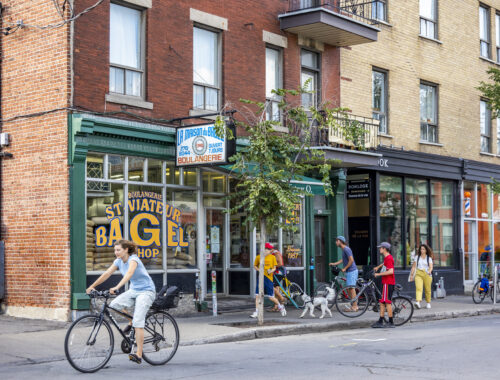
[(264, 170), (491, 91)]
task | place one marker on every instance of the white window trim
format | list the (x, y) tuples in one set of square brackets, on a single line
[(208, 19)]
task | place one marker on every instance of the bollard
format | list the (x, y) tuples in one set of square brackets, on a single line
[(495, 287), (214, 293)]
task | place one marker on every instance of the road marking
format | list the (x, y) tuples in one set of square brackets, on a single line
[(370, 340), (343, 345)]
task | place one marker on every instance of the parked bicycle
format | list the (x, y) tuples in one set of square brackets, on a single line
[(480, 290), (340, 297), (89, 341), (402, 307), (291, 291)]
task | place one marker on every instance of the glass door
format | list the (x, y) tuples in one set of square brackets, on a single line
[(215, 246), (470, 251), (240, 255)]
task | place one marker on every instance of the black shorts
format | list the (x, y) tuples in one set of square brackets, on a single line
[(386, 293)]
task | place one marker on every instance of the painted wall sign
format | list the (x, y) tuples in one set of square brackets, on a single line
[(200, 145)]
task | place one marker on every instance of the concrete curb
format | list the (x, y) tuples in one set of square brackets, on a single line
[(311, 328)]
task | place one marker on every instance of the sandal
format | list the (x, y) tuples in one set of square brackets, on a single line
[(274, 309), (135, 358), (350, 310)]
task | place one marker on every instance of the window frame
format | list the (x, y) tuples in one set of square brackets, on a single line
[(142, 58), (428, 20), (316, 72), (484, 135), (487, 42), (375, 6), (275, 99), (434, 125), (385, 112), (218, 87), (497, 35)]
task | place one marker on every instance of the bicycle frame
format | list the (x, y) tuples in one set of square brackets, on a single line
[(286, 291)]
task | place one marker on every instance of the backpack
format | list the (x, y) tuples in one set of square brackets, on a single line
[(485, 284), (418, 258)]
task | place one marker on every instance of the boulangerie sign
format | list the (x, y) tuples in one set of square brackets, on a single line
[(200, 145)]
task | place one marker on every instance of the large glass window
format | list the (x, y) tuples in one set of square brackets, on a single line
[(428, 18), (484, 31), (416, 216), (483, 201), (428, 113), (379, 10), (206, 69), (485, 125), (293, 244), (379, 98), (391, 193), (273, 82), (442, 222), (309, 77), (125, 55)]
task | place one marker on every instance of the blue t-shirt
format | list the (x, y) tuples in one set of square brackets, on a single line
[(346, 253), (140, 280)]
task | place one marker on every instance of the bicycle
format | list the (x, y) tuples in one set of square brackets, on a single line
[(89, 341), (291, 291), (402, 307), (341, 294), (479, 294)]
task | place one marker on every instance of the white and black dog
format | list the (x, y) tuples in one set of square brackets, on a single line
[(310, 304)]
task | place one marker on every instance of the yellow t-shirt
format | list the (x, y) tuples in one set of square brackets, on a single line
[(269, 263)]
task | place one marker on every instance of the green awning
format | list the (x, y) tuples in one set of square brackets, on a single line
[(308, 184)]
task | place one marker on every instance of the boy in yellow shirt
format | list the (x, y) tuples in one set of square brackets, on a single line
[(269, 268)]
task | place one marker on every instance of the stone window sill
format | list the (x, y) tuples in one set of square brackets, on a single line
[(385, 136), (430, 39), (129, 101), (487, 154), (382, 22), (431, 143), (199, 112), (489, 60)]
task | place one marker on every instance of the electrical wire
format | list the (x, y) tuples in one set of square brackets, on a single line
[(14, 26)]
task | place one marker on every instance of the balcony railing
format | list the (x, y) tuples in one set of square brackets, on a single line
[(360, 10), (348, 131)]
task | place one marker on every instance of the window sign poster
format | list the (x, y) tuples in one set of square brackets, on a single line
[(215, 238), (200, 145)]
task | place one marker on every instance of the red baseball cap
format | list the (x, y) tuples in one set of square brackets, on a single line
[(269, 246)]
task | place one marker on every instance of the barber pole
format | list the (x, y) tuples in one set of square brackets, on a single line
[(467, 203)]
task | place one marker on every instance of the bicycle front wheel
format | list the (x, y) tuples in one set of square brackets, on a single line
[(477, 295), (161, 338), (351, 302), (89, 343), (402, 310), (296, 295)]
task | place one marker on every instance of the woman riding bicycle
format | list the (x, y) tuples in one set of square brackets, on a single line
[(142, 292)]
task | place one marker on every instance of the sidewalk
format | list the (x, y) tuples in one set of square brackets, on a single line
[(24, 341)]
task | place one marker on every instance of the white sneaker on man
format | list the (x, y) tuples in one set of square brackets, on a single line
[(428, 306), (255, 314), (417, 305), (282, 310)]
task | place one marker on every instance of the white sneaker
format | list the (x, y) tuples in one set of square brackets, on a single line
[(283, 311), (428, 306), (255, 314), (417, 305)]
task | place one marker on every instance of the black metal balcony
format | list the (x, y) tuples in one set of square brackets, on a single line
[(333, 22)]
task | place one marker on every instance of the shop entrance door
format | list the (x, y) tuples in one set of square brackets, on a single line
[(215, 222), (320, 248)]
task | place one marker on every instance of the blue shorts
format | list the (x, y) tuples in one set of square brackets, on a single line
[(351, 277), (268, 287)]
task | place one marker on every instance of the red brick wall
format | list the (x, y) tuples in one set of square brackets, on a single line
[(169, 55), (35, 190)]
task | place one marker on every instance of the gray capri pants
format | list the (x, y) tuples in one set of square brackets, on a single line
[(142, 301)]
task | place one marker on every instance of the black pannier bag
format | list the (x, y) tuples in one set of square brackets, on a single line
[(167, 298)]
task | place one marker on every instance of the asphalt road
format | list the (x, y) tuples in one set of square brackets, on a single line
[(467, 348)]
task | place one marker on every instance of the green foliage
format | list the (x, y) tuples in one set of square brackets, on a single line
[(491, 91), (495, 186)]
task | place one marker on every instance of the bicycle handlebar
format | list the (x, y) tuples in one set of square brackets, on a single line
[(96, 293)]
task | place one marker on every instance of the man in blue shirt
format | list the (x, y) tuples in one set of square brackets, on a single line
[(350, 269)]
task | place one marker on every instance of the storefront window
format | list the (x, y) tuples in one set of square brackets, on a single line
[(469, 250), (390, 215), (469, 203), (496, 205), (116, 165), (240, 241), (214, 182), (189, 177), (483, 201), (104, 223), (145, 209), (442, 222), (172, 174), (483, 245), (293, 245), (136, 169), (215, 238), (210, 201), (416, 216), (154, 171), (181, 213), (95, 165)]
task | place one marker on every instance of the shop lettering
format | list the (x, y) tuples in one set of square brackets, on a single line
[(198, 159), (147, 220), (383, 162), (186, 134)]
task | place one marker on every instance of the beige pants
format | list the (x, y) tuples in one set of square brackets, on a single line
[(423, 281)]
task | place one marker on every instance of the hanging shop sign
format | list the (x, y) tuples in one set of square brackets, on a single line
[(358, 189), (200, 145)]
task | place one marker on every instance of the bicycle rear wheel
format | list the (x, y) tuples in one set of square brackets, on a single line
[(322, 292), (477, 295), (161, 338), (295, 294), (89, 343), (347, 306), (402, 310)]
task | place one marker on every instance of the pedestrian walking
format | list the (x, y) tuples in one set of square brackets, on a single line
[(484, 259), (388, 282), (350, 269), (421, 272), (270, 265), (279, 273)]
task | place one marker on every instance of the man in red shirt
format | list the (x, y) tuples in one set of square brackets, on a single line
[(388, 282)]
